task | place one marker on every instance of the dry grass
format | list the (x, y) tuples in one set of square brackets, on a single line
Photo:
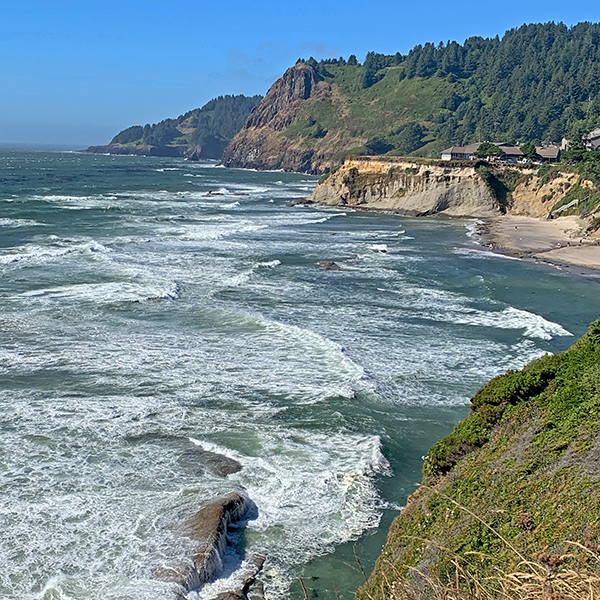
[(544, 576)]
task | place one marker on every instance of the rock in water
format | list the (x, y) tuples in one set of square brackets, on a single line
[(199, 461), (329, 265), (208, 529), (250, 588)]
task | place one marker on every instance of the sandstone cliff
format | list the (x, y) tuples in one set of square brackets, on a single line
[(466, 189), (409, 187)]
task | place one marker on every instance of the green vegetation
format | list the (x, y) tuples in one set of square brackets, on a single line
[(488, 149), (501, 181), (515, 488), (209, 129), (536, 84), (583, 198)]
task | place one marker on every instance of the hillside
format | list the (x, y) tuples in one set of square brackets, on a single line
[(509, 506), (537, 83), (200, 133)]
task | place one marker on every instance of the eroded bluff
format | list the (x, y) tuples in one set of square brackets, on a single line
[(408, 187)]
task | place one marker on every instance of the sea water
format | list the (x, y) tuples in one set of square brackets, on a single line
[(150, 306)]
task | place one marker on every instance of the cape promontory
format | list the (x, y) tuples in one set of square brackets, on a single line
[(200, 133), (536, 84)]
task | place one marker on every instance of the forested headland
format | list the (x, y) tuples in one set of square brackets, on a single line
[(537, 83), (200, 133)]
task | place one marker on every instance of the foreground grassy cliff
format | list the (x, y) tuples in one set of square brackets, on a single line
[(509, 506)]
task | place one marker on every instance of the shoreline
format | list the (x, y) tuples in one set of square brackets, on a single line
[(559, 242)]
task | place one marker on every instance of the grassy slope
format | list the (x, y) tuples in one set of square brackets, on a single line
[(352, 115), (508, 490)]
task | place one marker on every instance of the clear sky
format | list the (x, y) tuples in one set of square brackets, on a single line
[(75, 72)]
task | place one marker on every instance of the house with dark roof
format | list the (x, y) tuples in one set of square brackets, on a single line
[(461, 152), (548, 153), (511, 153)]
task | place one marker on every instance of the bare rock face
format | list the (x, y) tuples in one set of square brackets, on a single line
[(208, 529), (276, 109), (199, 461), (261, 144), (411, 188)]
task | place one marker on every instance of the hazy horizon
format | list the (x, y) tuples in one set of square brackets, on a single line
[(75, 75)]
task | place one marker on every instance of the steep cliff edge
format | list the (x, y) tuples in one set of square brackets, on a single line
[(461, 188), (509, 506), (262, 143), (410, 187)]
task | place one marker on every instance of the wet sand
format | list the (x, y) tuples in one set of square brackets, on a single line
[(559, 241)]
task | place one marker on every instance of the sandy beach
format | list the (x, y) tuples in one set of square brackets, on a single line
[(560, 241)]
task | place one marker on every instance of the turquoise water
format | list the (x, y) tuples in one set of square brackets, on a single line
[(149, 306)]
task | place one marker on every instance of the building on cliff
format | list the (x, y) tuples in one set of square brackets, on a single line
[(510, 153), (592, 140), (461, 152)]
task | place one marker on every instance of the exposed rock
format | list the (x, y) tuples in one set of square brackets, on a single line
[(329, 265), (412, 188), (208, 530), (200, 461), (250, 588), (261, 143), (208, 527), (275, 109)]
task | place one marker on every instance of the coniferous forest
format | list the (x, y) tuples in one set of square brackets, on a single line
[(537, 83)]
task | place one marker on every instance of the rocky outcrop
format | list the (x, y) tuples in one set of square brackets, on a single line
[(263, 143), (208, 530), (175, 151), (199, 461), (208, 527), (276, 109), (409, 187)]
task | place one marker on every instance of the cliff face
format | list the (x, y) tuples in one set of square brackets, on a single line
[(262, 142), (409, 187), (462, 189), (510, 502)]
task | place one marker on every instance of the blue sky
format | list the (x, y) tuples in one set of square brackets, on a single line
[(74, 73)]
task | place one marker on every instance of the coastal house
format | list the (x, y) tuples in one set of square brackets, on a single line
[(592, 140), (548, 153), (511, 153), (461, 152)]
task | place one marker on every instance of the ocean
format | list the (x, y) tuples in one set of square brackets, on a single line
[(152, 310)]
